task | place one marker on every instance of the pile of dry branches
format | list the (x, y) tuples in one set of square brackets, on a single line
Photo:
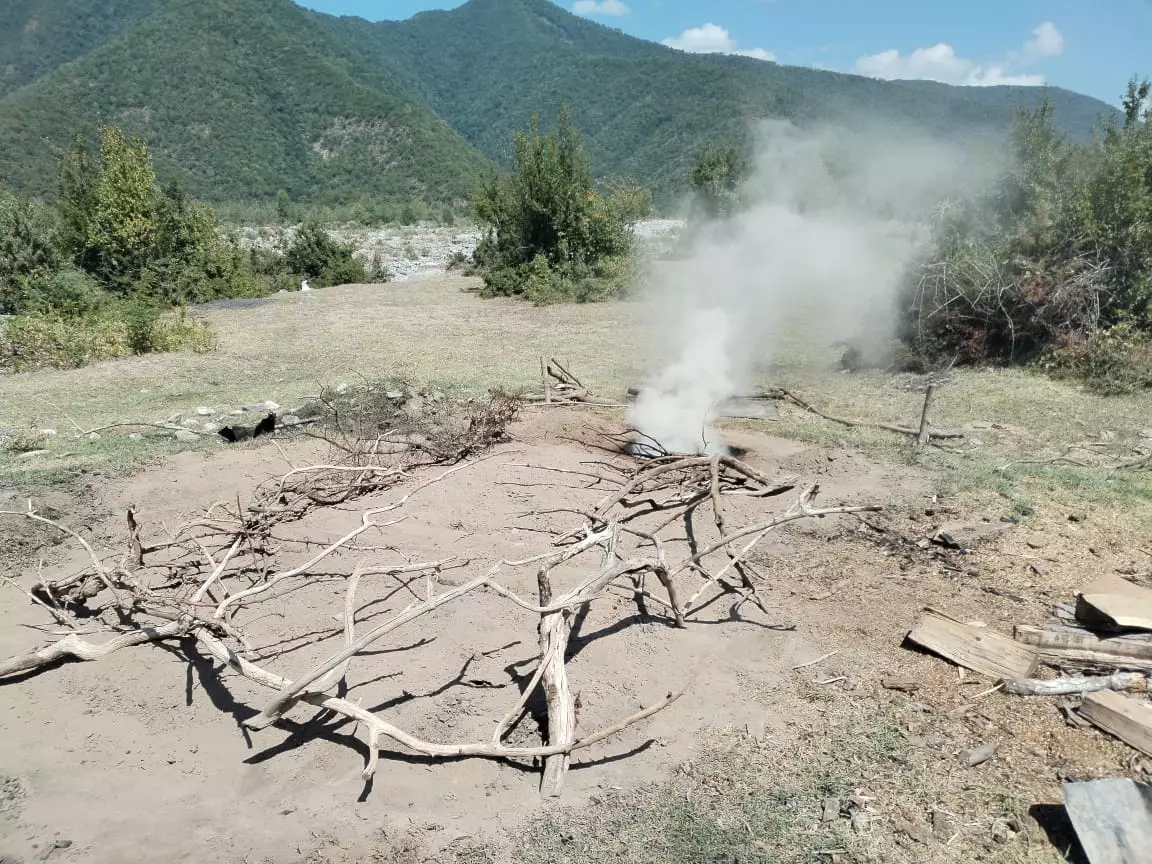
[(206, 580)]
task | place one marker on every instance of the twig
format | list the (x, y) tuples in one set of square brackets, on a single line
[(814, 662)]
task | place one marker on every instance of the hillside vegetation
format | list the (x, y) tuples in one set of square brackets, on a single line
[(239, 100), (242, 99)]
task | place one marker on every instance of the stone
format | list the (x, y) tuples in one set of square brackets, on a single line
[(830, 811), (175, 419), (186, 436), (341, 389), (209, 428), (958, 535), (980, 755), (1146, 433), (93, 436), (1001, 833), (917, 829), (135, 436), (309, 410), (943, 826), (48, 433), (267, 405), (236, 412), (288, 420), (191, 423), (28, 454), (393, 394), (205, 411)]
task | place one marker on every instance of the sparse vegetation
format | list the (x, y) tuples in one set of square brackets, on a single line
[(1054, 262), (112, 269)]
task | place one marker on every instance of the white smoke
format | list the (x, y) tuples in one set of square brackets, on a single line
[(836, 217)]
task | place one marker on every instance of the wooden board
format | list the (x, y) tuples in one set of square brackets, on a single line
[(1115, 601), (1067, 644), (1129, 719), (1112, 818), (976, 648)]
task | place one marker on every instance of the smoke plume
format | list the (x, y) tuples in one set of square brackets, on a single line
[(832, 220)]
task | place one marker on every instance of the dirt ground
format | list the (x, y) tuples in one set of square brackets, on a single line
[(139, 756)]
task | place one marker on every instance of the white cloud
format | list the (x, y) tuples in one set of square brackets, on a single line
[(713, 39), (940, 63), (600, 7), (1046, 42)]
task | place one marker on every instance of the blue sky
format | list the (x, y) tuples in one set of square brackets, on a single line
[(1092, 46)]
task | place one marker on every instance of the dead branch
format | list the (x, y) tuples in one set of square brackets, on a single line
[(1134, 682), (780, 392), (72, 647), (378, 728)]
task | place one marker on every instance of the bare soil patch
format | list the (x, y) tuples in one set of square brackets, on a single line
[(139, 756)]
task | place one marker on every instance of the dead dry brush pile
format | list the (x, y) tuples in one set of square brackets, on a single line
[(203, 584)]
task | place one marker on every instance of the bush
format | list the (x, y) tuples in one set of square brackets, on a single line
[(1111, 362), (1054, 263), (40, 340), (28, 253), (548, 232), (316, 256)]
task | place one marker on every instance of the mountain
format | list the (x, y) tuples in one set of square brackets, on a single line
[(237, 99), (645, 109), (241, 98)]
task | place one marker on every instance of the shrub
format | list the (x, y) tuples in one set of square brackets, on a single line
[(1053, 263), (548, 216), (40, 340), (315, 255), (28, 253), (1113, 361)]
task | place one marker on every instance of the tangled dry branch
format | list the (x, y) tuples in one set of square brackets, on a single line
[(207, 580)]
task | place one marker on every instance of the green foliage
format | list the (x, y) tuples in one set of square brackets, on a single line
[(314, 255), (39, 340), (1111, 362), (715, 180), (487, 65), (549, 233), (240, 99), (1062, 269), (28, 254), (99, 277)]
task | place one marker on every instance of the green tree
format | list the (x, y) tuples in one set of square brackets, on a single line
[(316, 256), (716, 178), (27, 253), (548, 216), (110, 207)]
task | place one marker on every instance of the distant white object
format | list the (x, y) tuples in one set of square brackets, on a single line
[(304, 286)]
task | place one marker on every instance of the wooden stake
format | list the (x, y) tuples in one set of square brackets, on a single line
[(923, 437)]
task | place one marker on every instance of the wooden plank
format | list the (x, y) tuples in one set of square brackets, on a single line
[(976, 648), (1113, 601), (1112, 818), (1064, 645), (1130, 720)]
